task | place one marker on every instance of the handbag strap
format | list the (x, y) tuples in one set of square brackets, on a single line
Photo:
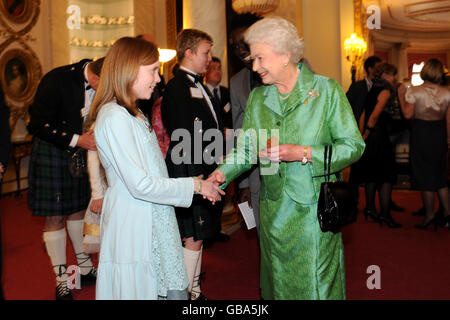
[(327, 162), (325, 159), (330, 151)]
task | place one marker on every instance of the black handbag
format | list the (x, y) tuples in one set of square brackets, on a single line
[(338, 200), (78, 164)]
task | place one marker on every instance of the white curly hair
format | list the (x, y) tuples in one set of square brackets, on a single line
[(278, 33)]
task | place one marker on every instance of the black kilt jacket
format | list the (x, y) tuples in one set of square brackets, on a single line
[(179, 110), (55, 115)]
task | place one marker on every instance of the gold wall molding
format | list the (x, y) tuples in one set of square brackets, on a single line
[(31, 9), (358, 16), (59, 34), (171, 25), (171, 9)]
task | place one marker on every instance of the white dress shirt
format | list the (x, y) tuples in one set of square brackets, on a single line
[(205, 94), (88, 98)]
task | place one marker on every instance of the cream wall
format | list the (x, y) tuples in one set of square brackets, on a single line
[(210, 17), (151, 18), (347, 25), (326, 24)]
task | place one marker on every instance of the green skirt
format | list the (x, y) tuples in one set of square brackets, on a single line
[(298, 260)]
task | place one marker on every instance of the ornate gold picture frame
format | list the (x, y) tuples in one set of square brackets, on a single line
[(17, 11), (19, 74)]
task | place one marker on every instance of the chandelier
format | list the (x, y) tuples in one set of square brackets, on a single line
[(255, 6), (354, 50)]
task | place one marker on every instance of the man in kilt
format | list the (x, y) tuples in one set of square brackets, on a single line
[(61, 104), (187, 104)]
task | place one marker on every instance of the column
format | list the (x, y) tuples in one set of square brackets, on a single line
[(402, 62), (210, 17)]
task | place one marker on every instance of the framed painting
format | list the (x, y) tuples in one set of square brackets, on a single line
[(18, 74), (17, 11)]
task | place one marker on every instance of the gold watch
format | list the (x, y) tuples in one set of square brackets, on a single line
[(305, 155)]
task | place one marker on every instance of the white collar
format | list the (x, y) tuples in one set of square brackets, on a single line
[(186, 69), (85, 72)]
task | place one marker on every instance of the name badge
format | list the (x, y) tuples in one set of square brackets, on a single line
[(227, 107), (196, 93), (84, 112)]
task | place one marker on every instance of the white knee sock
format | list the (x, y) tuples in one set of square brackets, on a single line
[(55, 243), (75, 230), (191, 259), (196, 290)]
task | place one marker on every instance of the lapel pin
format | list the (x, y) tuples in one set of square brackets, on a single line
[(313, 93)]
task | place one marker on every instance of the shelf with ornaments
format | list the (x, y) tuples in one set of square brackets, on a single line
[(98, 24)]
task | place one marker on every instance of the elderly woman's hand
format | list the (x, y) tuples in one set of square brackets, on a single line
[(217, 177), (285, 153)]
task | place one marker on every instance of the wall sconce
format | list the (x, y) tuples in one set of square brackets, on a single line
[(355, 48), (165, 55)]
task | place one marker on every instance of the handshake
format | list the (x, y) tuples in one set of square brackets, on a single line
[(209, 188)]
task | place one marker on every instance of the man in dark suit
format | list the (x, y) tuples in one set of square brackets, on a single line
[(241, 85), (61, 104), (188, 109), (358, 90), (5, 150), (221, 94)]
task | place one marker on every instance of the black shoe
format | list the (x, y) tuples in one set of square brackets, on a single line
[(90, 278), (197, 287), (63, 292), (387, 219), (395, 207), (222, 237), (201, 297), (425, 224), (372, 213), (420, 212), (447, 222)]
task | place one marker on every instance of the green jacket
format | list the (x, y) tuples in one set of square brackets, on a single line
[(317, 114)]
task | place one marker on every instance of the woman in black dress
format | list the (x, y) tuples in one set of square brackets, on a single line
[(377, 165), (428, 104)]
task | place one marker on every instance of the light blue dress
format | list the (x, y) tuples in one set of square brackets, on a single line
[(141, 254)]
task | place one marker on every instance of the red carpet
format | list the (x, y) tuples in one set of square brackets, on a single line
[(414, 264)]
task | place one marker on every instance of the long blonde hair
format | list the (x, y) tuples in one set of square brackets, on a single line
[(119, 71)]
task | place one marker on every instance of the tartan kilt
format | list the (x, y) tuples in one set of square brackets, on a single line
[(52, 190)]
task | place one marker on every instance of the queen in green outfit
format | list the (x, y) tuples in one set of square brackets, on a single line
[(286, 126)]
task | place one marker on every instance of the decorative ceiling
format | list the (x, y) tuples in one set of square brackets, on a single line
[(417, 24)]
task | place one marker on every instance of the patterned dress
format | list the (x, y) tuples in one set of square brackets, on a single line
[(141, 255)]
